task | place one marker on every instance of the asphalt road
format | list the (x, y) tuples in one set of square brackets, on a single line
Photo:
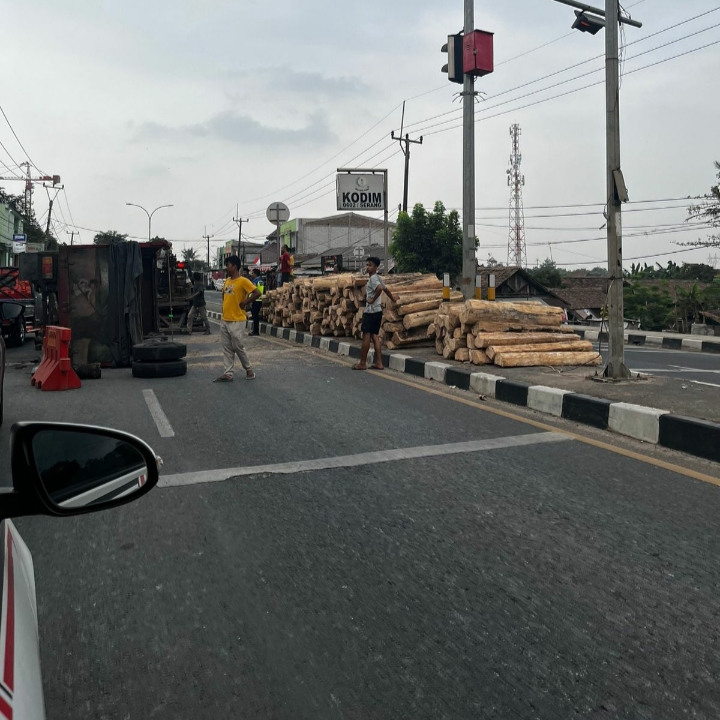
[(523, 575)]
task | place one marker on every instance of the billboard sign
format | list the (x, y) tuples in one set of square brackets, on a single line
[(360, 191)]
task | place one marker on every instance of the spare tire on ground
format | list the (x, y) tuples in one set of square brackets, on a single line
[(162, 369), (158, 351)]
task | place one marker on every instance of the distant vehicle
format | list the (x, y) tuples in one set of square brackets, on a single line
[(14, 290), (12, 323), (219, 284)]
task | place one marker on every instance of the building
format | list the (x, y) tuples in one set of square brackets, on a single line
[(516, 284), (353, 258), (317, 236), (11, 223), (247, 252)]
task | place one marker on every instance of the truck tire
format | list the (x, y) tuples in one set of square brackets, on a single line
[(18, 339), (164, 369), (159, 351)]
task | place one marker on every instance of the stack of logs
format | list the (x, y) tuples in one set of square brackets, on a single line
[(334, 305), (509, 335)]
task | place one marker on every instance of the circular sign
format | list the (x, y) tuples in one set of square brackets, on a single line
[(278, 212)]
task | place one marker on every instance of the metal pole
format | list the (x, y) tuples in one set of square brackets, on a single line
[(385, 220), (407, 172), (616, 367), (469, 265)]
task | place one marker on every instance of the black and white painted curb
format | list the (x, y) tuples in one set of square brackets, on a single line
[(691, 344), (659, 427)]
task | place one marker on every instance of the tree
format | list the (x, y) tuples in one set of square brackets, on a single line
[(31, 227), (707, 210), (110, 237), (651, 306), (428, 242), (547, 274), (598, 272), (189, 255)]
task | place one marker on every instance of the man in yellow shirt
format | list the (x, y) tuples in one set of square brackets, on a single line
[(238, 293)]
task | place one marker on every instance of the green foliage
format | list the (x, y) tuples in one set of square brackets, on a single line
[(428, 241), (547, 274), (651, 306), (31, 227), (687, 271), (109, 238)]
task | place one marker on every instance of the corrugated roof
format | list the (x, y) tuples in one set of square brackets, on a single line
[(582, 299)]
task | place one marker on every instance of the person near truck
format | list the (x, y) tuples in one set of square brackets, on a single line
[(372, 318), (238, 294), (257, 281), (198, 305), (285, 265)]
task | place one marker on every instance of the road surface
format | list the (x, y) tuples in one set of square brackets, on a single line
[(350, 560)]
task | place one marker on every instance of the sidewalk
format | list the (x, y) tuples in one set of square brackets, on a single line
[(661, 411), (667, 340)]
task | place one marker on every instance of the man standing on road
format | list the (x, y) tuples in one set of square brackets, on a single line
[(372, 318), (238, 293), (257, 281), (285, 266), (198, 305)]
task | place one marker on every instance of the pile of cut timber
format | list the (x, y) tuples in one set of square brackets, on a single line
[(334, 305), (509, 335)]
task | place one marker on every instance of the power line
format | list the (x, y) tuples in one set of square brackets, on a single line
[(27, 155)]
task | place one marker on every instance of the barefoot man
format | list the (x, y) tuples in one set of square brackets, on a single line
[(372, 318)]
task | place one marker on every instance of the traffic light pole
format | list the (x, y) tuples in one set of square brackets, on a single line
[(615, 367), (469, 264)]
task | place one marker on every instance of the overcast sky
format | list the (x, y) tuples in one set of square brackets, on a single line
[(209, 104)]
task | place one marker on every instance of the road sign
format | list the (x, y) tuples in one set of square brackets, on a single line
[(19, 247), (357, 191), (277, 213), (34, 247), (19, 237)]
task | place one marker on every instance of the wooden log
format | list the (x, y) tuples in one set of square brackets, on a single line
[(410, 298), (421, 319), (392, 327), (449, 315), (454, 344), (483, 340), (525, 314), (478, 357), (470, 339), (550, 359), (579, 346), (439, 346), (419, 306), (462, 355), (458, 332)]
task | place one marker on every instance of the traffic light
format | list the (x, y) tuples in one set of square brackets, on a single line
[(454, 49), (585, 22)]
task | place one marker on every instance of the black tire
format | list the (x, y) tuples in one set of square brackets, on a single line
[(165, 369), (18, 339), (158, 351)]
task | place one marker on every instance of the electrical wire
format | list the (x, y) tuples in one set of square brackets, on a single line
[(27, 155)]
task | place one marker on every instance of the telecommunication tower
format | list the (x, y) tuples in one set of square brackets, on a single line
[(517, 253)]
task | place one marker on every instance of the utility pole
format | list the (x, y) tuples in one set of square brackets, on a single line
[(591, 20), (50, 205), (469, 264), (207, 237), (405, 143), (72, 234), (616, 194), (240, 222)]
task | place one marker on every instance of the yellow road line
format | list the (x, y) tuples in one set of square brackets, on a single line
[(390, 375)]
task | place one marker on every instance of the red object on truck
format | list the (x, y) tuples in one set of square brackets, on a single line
[(12, 289)]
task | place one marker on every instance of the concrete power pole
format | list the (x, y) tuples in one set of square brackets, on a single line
[(207, 237), (616, 195), (240, 222), (405, 143), (469, 264)]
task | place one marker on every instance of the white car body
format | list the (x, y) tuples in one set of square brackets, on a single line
[(21, 691), (219, 285)]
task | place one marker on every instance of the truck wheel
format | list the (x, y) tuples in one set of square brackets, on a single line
[(165, 369), (18, 340), (159, 351)]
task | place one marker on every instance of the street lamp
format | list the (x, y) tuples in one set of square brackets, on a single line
[(149, 214)]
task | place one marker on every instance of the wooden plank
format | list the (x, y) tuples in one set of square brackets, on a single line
[(483, 340), (576, 346), (549, 359)]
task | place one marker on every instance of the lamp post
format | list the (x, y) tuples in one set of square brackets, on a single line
[(149, 214)]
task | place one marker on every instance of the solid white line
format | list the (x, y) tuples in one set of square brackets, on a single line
[(698, 382), (369, 458), (163, 424)]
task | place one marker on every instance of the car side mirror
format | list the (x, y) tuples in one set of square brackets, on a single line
[(64, 469), (11, 310)]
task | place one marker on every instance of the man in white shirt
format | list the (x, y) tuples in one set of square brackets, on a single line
[(372, 318)]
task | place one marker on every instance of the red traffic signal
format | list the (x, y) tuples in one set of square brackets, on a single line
[(585, 22)]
